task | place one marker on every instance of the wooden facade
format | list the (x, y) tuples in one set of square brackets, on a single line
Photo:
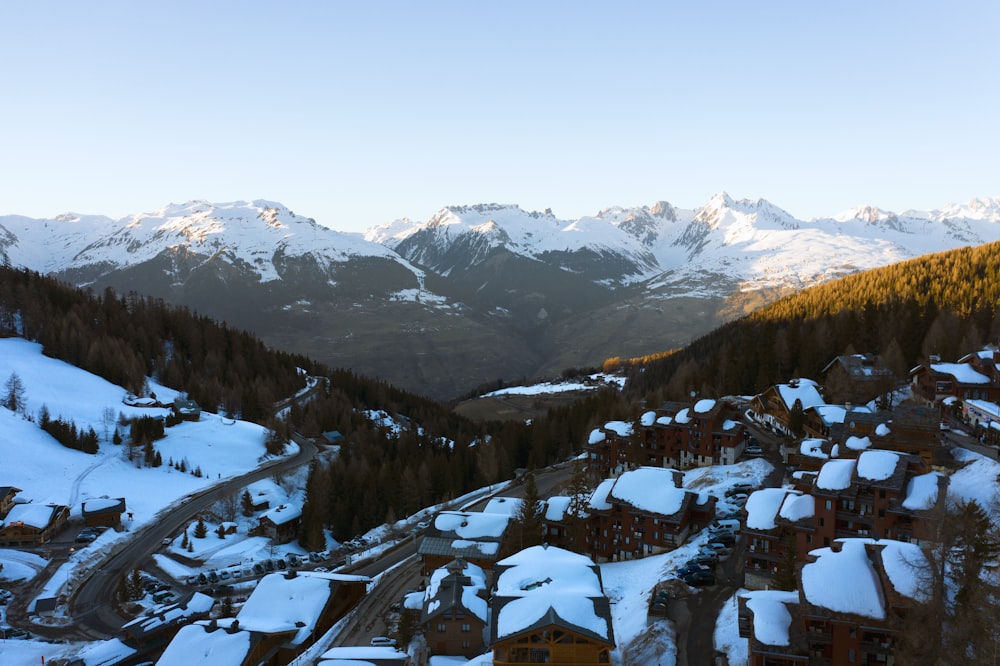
[(551, 645)]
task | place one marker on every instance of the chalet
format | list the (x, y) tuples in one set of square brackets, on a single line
[(157, 626), (103, 512), (822, 420), (280, 524), (644, 511), (220, 641), (29, 523), (776, 406), (770, 620), (7, 494), (549, 607), (477, 538), (187, 410), (933, 382), (454, 613), (857, 379), (296, 608)]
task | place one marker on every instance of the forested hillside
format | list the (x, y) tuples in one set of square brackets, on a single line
[(944, 304), (436, 454)]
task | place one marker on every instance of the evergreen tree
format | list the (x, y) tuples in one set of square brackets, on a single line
[(246, 501), (221, 532), (135, 589), (785, 577), (796, 418), (576, 514), (200, 529), (226, 608), (185, 542), (528, 519)]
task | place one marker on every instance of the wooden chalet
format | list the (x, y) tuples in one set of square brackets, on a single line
[(27, 524), (158, 625), (856, 379), (454, 613), (774, 407), (103, 512), (280, 524), (7, 494), (187, 410), (549, 607), (477, 538)]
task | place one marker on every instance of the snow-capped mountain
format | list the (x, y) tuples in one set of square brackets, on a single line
[(485, 291)]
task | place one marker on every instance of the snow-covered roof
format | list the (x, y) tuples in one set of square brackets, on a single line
[(798, 507), (771, 619), (168, 614), (283, 513), (599, 499), (858, 443), (665, 420), (986, 407), (547, 582), (813, 448), (704, 405), (647, 419), (31, 514), (556, 508), (286, 603), (882, 430), (806, 391), (508, 506), (877, 465), (922, 492), (650, 489), (472, 525), (596, 436), (361, 654), (102, 504), (683, 416), (199, 643), (844, 581), (471, 599), (962, 372), (762, 507), (620, 428), (835, 474)]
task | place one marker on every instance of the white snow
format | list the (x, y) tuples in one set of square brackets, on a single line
[(922, 492), (806, 391), (835, 474), (962, 372), (762, 507), (280, 603), (703, 406), (596, 436), (771, 619), (472, 525), (195, 643), (813, 448), (843, 581), (649, 489), (508, 506), (620, 428), (470, 593), (798, 507), (556, 508), (599, 499), (858, 443), (877, 465)]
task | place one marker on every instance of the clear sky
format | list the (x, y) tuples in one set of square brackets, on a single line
[(358, 113)]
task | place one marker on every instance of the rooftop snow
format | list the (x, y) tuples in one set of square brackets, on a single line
[(599, 500), (762, 507), (620, 428), (798, 507), (541, 578), (280, 603), (771, 618), (31, 514), (843, 581), (806, 391), (596, 436), (858, 443), (835, 474), (647, 419), (650, 489), (470, 598), (962, 372), (704, 406), (195, 644), (556, 508), (922, 492), (283, 513), (472, 525), (508, 506), (813, 448), (877, 465)]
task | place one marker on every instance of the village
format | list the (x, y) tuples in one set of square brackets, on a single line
[(812, 489)]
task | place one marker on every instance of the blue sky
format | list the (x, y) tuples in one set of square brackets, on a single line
[(359, 113)]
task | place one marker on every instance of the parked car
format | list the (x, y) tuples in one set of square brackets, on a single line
[(5, 596), (423, 525), (739, 488), (269, 566), (281, 565), (725, 538), (731, 524), (753, 450), (258, 568), (699, 579), (690, 568), (383, 641), (739, 499), (213, 577)]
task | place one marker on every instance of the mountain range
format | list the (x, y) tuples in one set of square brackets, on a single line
[(480, 293)]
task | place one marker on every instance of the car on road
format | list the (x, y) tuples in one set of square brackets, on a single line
[(383, 641), (739, 488), (269, 566), (725, 538), (699, 579), (423, 525), (167, 541), (691, 568), (321, 569), (753, 450)]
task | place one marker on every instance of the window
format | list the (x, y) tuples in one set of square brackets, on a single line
[(442, 627), (829, 505), (466, 627)]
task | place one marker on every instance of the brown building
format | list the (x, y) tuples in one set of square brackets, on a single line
[(454, 613), (478, 538), (682, 436), (774, 408), (29, 523), (857, 379), (549, 607), (103, 512), (973, 378), (609, 450), (158, 625), (643, 512), (280, 524), (849, 599)]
